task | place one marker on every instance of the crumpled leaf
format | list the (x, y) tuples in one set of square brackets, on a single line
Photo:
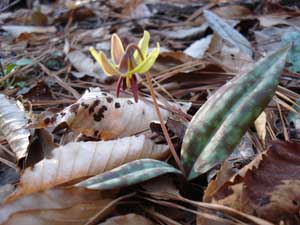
[(268, 187), (83, 159), (226, 32), (221, 122), (127, 219), (99, 114), (128, 174), (13, 124), (55, 207)]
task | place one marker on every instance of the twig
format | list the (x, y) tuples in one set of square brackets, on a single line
[(9, 5)]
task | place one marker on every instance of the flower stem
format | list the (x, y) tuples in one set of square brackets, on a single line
[(162, 124)]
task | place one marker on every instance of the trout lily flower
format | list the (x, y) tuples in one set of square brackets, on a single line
[(127, 64)]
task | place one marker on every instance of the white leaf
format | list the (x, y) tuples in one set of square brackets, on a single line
[(16, 30)]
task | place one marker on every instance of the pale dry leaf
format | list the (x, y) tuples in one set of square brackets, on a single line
[(13, 124), (224, 30), (198, 48), (184, 33), (132, 218), (83, 159), (16, 30), (260, 126), (55, 207), (85, 65), (99, 114)]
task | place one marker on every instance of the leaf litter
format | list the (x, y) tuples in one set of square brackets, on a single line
[(66, 136)]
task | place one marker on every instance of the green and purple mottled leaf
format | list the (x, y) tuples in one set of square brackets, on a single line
[(220, 123), (128, 174)]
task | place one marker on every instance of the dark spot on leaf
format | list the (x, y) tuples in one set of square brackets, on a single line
[(62, 113), (47, 120), (93, 106), (74, 108), (143, 112), (129, 102), (104, 94), (53, 119), (96, 132), (84, 105), (295, 203), (109, 99), (117, 105), (99, 115)]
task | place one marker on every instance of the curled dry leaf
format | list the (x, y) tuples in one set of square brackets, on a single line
[(16, 30), (99, 114), (268, 187), (260, 126), (78, 160), (55, 207), (13, 126)]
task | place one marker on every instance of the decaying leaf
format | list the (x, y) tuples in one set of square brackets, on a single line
[(226, 32), (78, 160), (99, 114), (128, 174), (221, 122), (13, 126), (268, 187), (55, 207)]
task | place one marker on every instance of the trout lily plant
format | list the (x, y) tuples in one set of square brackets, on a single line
[(129, 63)]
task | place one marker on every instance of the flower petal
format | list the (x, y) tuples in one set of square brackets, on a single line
[(143, 45), (108, 68), (147, 63), (117, 49)]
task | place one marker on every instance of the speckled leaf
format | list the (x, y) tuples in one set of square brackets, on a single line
[(220, 123), (101, 115), (226, 32), (129, 174), (79, 160), (13, 126)]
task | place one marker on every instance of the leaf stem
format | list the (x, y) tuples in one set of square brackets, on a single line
[(162, 124)]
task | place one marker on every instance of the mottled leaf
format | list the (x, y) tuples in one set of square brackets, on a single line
[(13, 126), (268, 187), (55, 207), (78, 160), (221, 122), (226, 32), (128, 174)]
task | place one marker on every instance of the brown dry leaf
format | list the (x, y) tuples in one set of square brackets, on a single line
[(55, 207), (13, 124), (268, 187), (99, 114), (131, 218), (78, 160)]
